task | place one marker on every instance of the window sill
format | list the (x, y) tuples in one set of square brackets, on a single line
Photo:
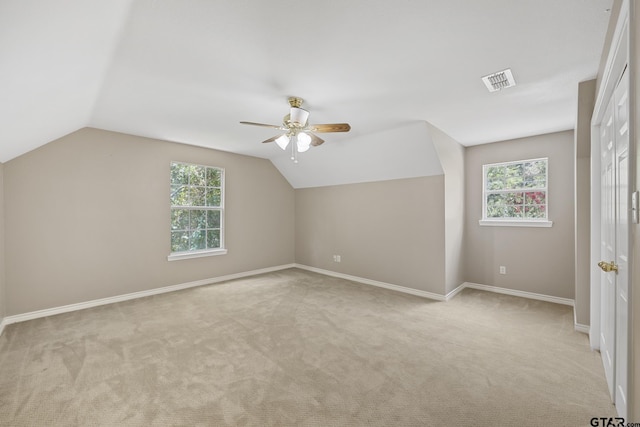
[(503, 223), (175, 256)]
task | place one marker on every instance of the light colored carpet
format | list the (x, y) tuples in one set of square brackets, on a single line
[(294, 348)]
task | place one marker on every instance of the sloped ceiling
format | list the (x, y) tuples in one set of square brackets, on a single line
[(190, 70), (54, 57)]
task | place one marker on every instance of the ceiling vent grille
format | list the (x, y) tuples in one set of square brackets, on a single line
[(500, 80)]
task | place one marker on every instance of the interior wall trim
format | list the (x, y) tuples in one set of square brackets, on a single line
[(417, 292), (377, 283), (456, 291), (118, 298), (450, 295), (523, 294), (578, 327), (430, 295)]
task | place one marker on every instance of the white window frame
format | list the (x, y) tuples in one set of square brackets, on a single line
[(198, 253), (515, 222)]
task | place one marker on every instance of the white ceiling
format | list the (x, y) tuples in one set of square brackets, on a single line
[(190, 70)]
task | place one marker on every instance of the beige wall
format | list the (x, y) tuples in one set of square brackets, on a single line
[(538, 260), (2, 269), (87, 217), (389, 231), (451, 155), (582, 153)]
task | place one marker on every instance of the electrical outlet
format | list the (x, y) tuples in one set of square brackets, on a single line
[(503, 269), (336, 258)]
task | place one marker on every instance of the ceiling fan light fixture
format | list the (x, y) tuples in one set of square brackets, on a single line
[(303, 142), (282, 141), (298, 116), (299, 136)]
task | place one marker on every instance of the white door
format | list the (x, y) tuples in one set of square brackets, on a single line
[(614, 249), (607, 247), (621, 121)]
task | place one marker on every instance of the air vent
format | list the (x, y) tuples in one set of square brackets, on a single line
[(500, 80)]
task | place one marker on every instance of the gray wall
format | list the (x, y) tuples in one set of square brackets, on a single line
[(2, 269), (451, 155), (87, 217), (389, 231), (538, 260), (582, 153)]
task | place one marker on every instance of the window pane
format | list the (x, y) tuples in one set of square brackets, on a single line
[(513, 211), (513, 198), (213, 219), (198, 174), (538, 167), (198, 219), (495, 200), (537, 211), (179, 241), (197, 196), (495, 178), (213, 239), (213, 177), (179, 219), (214, 196), (495, 211), (540, 181), (513, 183), (179, 195), (198, 240), (179, 174), (496, 205), (514, 170), (535, 198)]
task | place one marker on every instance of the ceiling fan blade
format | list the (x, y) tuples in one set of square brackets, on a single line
[(271, 139), (315, 141), (261, 124), (333, 127)]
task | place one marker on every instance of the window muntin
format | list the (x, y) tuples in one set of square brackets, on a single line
[(197, 208), (515, 191)]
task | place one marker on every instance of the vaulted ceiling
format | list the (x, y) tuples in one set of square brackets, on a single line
[(190, 70)]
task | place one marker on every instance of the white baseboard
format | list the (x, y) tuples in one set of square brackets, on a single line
[(455, 292), (578, 327), (424, 294), (585, 329), (450, 295), (522, 294), (385, 285), (110, 300)]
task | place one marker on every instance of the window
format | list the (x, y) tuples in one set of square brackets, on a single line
[(197, 211), (515, 193)]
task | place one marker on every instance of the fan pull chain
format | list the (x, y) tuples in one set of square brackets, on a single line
[(294, 152)]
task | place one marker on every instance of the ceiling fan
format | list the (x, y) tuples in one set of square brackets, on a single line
[(298, 131)]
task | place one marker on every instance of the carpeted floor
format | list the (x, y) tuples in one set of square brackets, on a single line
[(294, 348)]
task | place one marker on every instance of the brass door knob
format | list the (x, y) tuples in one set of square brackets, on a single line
[(608, 266)]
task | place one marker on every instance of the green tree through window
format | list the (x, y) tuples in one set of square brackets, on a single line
[(197, 205), (515, 190)]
